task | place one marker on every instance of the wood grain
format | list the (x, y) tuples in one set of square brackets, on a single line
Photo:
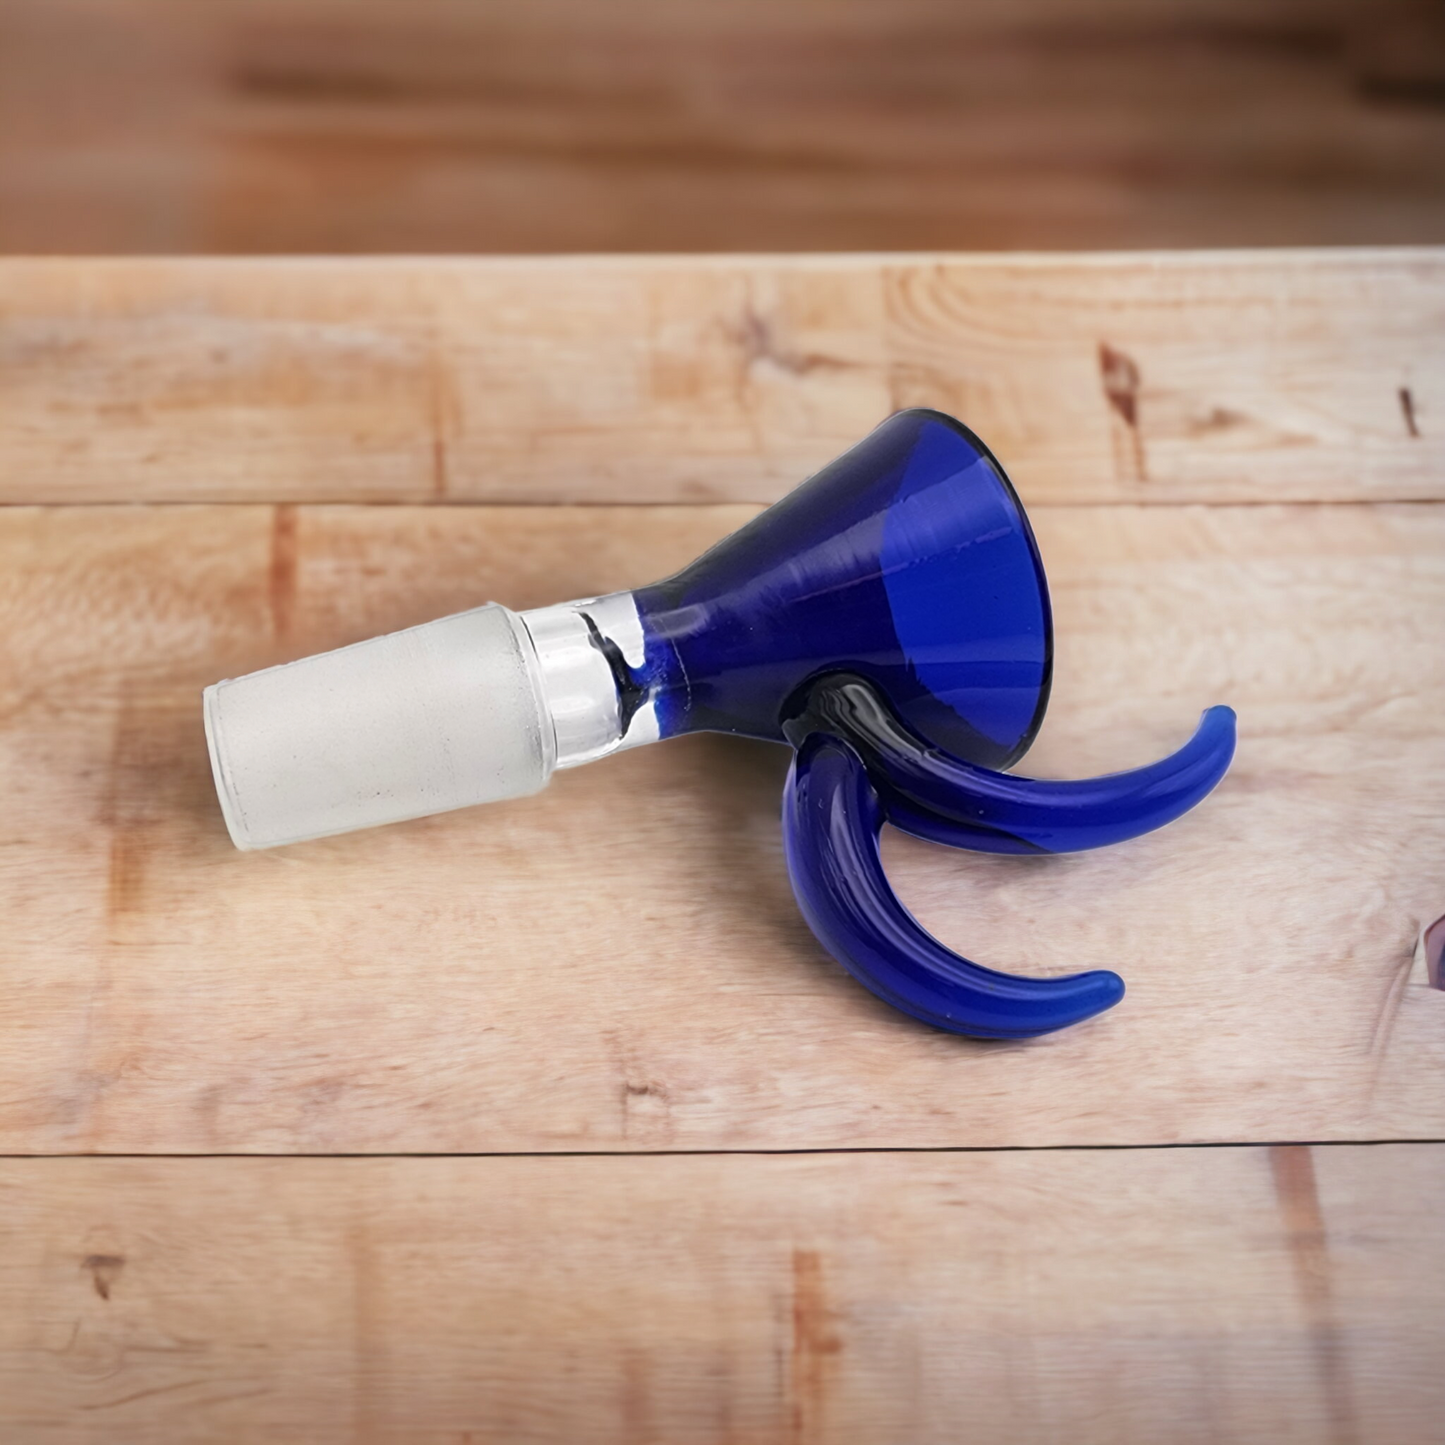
[(1286, 1295), (617, 963), (1305, 376), (647, 125), (614, 971)]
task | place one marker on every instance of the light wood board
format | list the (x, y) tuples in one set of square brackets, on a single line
[(1233, 465), (1192, 377), (1108, 1298), (618, 961)]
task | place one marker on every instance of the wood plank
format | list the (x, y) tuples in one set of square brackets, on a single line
[(560, 125), (1285, 1295), (1195, 377), (618, 963)]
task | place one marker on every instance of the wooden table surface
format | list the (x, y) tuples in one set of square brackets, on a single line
[(550, 1121)]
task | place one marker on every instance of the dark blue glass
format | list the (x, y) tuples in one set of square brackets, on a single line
[(890, 619), (933, 795), (907, 561), (831, 820), (858, 764)]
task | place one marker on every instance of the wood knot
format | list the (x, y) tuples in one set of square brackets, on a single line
[(104, 1271)]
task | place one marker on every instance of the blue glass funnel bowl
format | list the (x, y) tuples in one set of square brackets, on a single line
[(908, 561), (890, 619)]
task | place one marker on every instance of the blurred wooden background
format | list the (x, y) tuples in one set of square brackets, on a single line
[(562, 125)]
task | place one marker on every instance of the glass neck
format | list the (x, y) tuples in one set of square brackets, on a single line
[(589, 658)]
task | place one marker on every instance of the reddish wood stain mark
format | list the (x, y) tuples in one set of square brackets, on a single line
[(636, 1396), (442, 407), (124, 813), (369, 1335), (438, 464), (104, 1271), (1407, 410), (1297, 1193), (814, 1343), (281, 578), (125, 878), (1119, 373)]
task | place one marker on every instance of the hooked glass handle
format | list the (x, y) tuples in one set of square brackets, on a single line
[(831, 821), (858, 765), (931, 794)]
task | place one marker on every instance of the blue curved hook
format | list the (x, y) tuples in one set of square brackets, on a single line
[(933, 795), (858, 764), (831, 822)]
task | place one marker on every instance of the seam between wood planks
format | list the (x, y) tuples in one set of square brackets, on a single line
[(746, 1153)]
